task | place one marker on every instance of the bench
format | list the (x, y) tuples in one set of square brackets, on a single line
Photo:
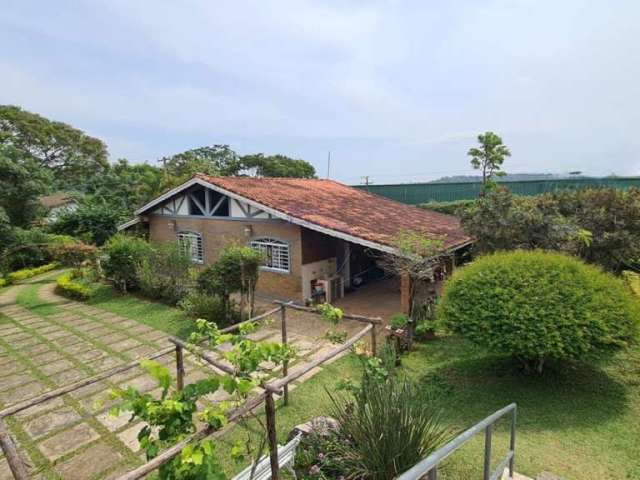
[(286, 458)]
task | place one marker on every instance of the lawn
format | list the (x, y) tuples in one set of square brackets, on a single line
[(157, 315), (580, 423)]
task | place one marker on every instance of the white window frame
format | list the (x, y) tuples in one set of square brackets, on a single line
[(277, 253), (195, 249)]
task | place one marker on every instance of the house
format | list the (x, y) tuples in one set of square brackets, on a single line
[(319, 237), (57, 204)]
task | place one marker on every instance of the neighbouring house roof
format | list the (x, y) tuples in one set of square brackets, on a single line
[(332, 208), (57, 200)]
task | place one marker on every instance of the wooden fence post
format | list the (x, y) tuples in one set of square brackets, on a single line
[(270, 410), (374, 342), (285, 364), (179, 368), (16, 464)]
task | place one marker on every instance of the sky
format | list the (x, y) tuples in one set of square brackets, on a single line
[(396, 90)]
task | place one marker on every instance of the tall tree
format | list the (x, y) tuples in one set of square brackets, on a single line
[(70, 153), (127, 186), (489, 157), (22, 181), (278, 166), (212, 160)]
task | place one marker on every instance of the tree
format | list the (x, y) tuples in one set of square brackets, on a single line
[(601, 226), (212, 160), (500, 220), (489, 157), (7, 233), (539, 306), (278, 166), (94, 221), (22, 181), (127, 186), (70, 153)]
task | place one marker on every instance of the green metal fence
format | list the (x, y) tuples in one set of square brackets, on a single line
[(415, 193)]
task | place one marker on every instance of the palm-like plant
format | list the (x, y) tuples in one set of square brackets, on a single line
[(387, 425)]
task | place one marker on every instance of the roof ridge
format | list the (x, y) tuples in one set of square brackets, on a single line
[(200, 174)]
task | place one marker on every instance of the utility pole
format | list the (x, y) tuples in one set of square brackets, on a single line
[(328, 163), (365, 179)]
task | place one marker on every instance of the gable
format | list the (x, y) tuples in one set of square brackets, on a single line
[(204, 201)]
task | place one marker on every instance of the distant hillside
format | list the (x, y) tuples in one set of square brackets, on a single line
[(509, 177)]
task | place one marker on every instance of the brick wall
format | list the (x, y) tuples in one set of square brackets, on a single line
[(216, 233)]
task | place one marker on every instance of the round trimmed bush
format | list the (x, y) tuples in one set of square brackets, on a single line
[(538, 306)]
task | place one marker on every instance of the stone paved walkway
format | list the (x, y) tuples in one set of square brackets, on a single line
[(74, 436)]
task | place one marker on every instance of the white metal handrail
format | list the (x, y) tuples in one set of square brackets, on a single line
[(429, 465)]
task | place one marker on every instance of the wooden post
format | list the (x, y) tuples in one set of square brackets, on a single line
[(374, 342), (270, 410), (179, 367), (16, 464), (285, 364)]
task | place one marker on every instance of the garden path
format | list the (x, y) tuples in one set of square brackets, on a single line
[(60, 341)]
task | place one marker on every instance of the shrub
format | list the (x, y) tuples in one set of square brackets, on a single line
[(210, 307), (165, 273), (26, 273), (456, 207), (236, 270), (399, 321), (538, 306), (387, 424), (74, 254), (71, 286), (123, 257), (3, 282)]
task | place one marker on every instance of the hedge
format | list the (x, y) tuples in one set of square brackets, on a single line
[(74, 288), (26, 273)]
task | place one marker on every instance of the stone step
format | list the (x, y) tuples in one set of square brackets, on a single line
[(516, 476)]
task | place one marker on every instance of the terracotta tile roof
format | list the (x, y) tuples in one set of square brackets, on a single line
[(56, 200), (338, 207)]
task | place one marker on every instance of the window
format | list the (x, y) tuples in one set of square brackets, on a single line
[(276, 253), (191, 242)]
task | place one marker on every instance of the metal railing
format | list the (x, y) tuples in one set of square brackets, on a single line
[(429, 465)]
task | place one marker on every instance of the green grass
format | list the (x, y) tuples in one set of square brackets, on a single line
[(580, 423), (163, 317), (28, 298)]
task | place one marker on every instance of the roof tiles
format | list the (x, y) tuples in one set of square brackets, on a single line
[(345, 209)]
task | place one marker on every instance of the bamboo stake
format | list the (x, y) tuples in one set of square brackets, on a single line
[(348, 316), (206, 356), (374, 342), (179, 368), (16, 464), (257, 318), (285, 364), (270, 410)]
